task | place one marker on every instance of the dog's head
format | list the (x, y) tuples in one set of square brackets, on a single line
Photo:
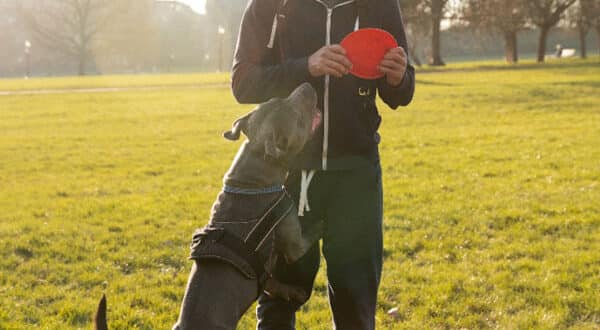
[(280, 128)]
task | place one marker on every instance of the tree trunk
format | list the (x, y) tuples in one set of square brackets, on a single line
[(413, 54), (582, 42), (541, 51), (598, 37), (436, 57), (82, 62), (510, 47)]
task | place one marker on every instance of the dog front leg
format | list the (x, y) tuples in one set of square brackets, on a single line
[(216, 297), (294, 239)]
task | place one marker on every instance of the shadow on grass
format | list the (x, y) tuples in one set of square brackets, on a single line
[(585, 83), (571, 64), (550, 64), (433, 83)]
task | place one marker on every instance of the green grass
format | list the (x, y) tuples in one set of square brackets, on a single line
[(115, 81), (492, 199)]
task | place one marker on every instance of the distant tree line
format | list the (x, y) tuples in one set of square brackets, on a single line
[(505, 17), (105, 36), (100, 36)]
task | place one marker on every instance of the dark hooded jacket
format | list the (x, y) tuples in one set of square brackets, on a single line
[(271, 59)]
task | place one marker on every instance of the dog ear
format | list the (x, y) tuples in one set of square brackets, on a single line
[(240, 125)]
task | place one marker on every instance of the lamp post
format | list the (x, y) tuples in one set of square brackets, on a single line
[(27, 51), (171, 61), (221, 31)]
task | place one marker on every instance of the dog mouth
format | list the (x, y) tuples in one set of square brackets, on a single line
[(316, 120)]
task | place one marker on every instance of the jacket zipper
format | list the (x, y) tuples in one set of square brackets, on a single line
[(327, 79)]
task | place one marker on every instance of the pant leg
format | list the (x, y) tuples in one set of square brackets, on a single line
[(276, 313), (353, 247)]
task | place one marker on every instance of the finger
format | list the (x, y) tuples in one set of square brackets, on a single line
[(395, 62), (397, 50), (332, 72), (395, 53), (337, 49), (392, 65), (402, 52), (400, 62), (385, 70), (390, 71), (338, 58), (335, 65), (334, 68), (394, 56)]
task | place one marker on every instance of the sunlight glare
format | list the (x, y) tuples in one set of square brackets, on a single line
[(198, 6)]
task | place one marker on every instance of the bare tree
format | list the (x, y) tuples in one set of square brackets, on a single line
[(436, 9), (225, 16), (545, 14), (581, 17), (132, 40), (590, 18), (507, 17), (418, 27), (597, 25), (71, 27), (421, 15)]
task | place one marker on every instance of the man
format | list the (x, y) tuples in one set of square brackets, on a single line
[(337, 178)]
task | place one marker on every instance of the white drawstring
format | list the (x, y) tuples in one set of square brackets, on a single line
[(357, 23), (273, 33), (274, 26), (304, 184)]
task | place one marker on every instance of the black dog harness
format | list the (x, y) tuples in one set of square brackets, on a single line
[(247, 244)]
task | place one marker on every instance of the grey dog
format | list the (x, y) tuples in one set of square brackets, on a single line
[(235, 253)]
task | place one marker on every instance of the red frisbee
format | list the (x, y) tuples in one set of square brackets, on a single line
[(365, 49)]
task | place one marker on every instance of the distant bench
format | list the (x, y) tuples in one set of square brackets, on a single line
[(565, 52)]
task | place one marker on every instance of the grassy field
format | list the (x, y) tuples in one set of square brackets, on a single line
[(121, 81), (492, 199)]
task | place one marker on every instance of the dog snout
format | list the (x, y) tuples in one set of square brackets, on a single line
[(304, 97), (307, 90)]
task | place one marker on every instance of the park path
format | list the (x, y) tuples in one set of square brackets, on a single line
[(107, 89)]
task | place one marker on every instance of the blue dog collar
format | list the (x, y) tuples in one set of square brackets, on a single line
[(252, 191)]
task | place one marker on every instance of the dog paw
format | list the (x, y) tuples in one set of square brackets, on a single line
[(274, 288), (298, 294)]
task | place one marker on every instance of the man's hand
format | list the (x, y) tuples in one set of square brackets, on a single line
[(330, 60), (394, 66)]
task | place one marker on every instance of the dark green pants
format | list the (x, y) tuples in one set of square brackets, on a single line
[(349, 203)]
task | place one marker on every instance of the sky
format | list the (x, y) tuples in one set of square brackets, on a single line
[(197, 5)]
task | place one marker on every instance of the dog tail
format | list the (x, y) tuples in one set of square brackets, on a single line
[(100, 318)]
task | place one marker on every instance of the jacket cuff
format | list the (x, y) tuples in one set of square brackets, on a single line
[(396, 89), (395, 96)]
